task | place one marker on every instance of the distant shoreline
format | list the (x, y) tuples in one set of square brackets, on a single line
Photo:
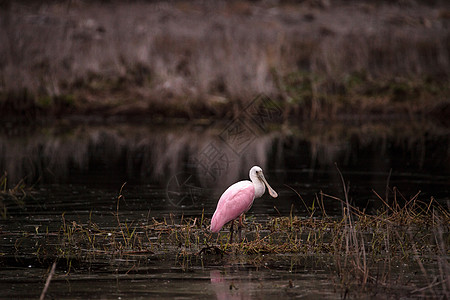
[(190, 60)]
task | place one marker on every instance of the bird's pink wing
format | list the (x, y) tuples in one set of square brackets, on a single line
[(236, 200)]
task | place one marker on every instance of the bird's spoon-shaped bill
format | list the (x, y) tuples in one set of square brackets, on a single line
[(271, 190)]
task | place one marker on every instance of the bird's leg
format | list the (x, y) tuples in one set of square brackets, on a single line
[(231, 231), (240, 228), (242, 220)]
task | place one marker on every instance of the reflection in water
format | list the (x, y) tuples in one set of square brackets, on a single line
[(223, 289), (145, 154), (111, 155), (90, 163), (287, 276)]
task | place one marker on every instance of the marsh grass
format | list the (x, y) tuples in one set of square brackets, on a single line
[(364, 248), (12, 197)]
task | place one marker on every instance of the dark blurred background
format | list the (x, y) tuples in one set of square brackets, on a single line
[(319, 59)]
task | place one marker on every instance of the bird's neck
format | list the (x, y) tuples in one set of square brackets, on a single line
[(260, 188)]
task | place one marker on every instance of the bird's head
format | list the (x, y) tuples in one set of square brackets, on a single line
[(257, 173)]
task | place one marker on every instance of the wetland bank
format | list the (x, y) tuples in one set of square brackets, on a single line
[(192, 59), (122, 124)]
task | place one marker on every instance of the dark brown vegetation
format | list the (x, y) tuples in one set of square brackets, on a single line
[(15, 195), (363, 250), (317, 59)]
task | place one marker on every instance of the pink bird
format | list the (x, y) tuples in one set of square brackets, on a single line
[(238, 199)]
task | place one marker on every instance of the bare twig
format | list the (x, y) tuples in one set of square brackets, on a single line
[(47, 282), (304, 203)]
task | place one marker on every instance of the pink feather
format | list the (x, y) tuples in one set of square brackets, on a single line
[(236, 200)]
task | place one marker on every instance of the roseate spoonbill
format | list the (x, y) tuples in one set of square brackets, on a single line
[(238, 199)]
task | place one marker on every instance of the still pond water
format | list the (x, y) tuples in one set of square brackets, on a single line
[(77, 170)]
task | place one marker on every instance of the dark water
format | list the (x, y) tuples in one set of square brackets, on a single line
[(284, 276), (77, 170), (76, 164)]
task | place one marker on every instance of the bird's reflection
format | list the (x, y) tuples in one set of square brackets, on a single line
[(226, 288)]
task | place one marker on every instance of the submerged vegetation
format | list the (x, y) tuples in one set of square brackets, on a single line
[(364, 250), (191, 59)]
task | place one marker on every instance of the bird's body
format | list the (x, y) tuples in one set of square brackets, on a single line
[(238, 198)]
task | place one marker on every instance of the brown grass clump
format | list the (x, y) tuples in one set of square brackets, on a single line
[(363, 246), (360, 248)]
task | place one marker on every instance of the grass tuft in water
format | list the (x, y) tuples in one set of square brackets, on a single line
[(12, 197), (364, 248)]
